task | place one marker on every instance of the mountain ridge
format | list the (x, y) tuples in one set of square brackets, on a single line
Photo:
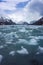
[(38, 22), (5, 21)]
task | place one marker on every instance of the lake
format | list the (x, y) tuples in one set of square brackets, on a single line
[(21, 45)]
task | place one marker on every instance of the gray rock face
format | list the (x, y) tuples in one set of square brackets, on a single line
[(6, 21), (39, 22)]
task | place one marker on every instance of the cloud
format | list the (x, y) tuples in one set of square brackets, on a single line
[(19, 10), (36, 6), (10, 5), (17, 16), (2, 1), (25, 14), (11, 9), (21, 4)]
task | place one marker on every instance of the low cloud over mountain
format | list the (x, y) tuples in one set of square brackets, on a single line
[(21, 10)]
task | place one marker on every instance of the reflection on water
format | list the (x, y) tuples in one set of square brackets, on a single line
[(21, 45)]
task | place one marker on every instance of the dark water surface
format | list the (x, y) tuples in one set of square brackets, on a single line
[(21, 45)]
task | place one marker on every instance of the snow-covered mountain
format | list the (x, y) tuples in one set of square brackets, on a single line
[(5, 21), (38, 22), (23, 23)]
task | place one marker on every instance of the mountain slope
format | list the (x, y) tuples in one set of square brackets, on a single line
[(4, 21), (39, 22)]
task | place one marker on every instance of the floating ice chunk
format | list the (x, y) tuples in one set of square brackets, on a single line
[(5, 45), (37, 53), (34, 37), (12, 53), (22, 51), (1, 57), (40, 49), (23, 30), (23, 41), (9, 37), (16, 35), (9, 42), (40, 37), (0, 33), (1, 46), (33, 42)]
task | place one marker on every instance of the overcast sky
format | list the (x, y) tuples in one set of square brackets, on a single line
[(21, 10)]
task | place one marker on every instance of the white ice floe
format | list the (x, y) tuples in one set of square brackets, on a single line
[(5, 45), (1, 46), (16, 35), (37, 53), (8, 42), (34, 37), (22, 51), (33, 42), (23, 30), (40, 37), (8, 37), (0, 33), (12, 53), (23, 41), (1, 57), (40, 50)]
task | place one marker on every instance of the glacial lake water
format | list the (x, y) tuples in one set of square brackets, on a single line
[(21, 45)]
